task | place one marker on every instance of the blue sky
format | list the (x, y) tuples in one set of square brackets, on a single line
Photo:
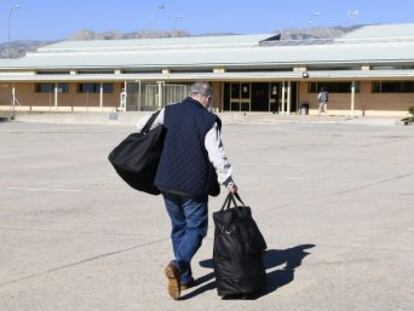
[(56, 19)]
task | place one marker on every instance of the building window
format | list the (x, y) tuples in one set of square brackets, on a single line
[(239, 96), (50, 88), (333, 87), (392, 87), (108, 88), (95, 88)]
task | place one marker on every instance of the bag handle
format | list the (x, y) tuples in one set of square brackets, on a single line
[(149, 123), (226, 203), (237, 196), (231, 199)]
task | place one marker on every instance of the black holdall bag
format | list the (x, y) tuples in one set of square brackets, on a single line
[(137, 157), (238, 250)]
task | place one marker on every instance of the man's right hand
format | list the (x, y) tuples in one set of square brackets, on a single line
[(233, 188)]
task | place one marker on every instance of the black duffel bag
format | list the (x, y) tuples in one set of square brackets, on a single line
[(238, 250), (137, 157)]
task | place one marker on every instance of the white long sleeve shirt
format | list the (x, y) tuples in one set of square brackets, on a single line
[(212, 143)]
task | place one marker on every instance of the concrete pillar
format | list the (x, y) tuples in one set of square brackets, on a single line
[(139, 94), (126, 93), (14, 97), (353, 99), (56, 95), (160, 93), (283, 97), (289, 96), (101, 94)]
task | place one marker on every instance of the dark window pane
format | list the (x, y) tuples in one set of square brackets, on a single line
[(334, 87), (86, 88), (226, 96), (107, 87), (313, 87), (45, 87), (235, 106), (393, 87), (63, 88), (376, 87), (245, 90), (407, 87), (235, 90)]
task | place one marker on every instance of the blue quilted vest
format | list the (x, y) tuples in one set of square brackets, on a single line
[(184, 166)]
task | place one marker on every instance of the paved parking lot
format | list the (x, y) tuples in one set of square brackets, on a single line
[(334, 201)]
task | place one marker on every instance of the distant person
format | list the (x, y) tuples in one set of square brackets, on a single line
[(184, 176), (323, 98)]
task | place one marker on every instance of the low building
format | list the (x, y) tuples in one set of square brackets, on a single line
[(367, 72)]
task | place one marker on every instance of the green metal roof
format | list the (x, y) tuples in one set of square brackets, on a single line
[(389, 31), (164, 43), (248, 56), (218, 51)]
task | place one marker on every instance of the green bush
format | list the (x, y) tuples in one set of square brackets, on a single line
[(411, 110)]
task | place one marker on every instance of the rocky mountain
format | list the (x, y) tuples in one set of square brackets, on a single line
[(115, 35), (20, 48)]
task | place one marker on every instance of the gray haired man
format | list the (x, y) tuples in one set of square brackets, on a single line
[(192, 144)]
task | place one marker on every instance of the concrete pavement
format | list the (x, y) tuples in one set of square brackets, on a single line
[(334, 202)]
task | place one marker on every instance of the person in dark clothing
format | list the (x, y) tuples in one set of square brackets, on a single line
[(323, 97), (192, 163)]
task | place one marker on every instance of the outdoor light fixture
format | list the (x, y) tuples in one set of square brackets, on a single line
[(14, 7), (305, 75)]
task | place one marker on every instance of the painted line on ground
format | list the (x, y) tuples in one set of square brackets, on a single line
[(43, 189), (60, 190), (70, 265)]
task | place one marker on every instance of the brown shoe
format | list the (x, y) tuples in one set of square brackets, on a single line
[(189, 284), (174, 281)]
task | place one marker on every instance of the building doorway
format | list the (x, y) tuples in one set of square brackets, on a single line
[(260, 97)]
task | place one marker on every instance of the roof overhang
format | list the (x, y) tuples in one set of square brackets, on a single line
[(226, 76)]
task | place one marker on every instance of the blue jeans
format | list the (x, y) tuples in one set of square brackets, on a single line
[(189, 219)]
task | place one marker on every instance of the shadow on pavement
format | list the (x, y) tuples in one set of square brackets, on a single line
[(292, 258)]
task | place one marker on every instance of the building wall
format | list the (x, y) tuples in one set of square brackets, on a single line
[(218, 95), (366, 102), (27, 96), (5, 94)]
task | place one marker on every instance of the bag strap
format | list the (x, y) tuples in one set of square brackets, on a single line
[(237, 196), (231, 199), (226, 203), (149, 123)]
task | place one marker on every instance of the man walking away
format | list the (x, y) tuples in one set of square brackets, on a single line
[(323, 98), (185, 177)]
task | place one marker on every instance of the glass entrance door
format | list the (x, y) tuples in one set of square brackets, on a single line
[(260, 97)]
